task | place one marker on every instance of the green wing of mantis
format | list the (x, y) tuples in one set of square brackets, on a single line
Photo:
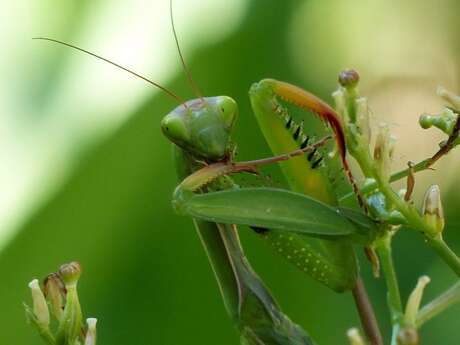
[(280, 209)]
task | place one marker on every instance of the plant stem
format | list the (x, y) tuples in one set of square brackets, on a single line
[(414, 219), (444, 251), (366, 313), (394, 297), (420, 166), (423, 165), (439, 304)]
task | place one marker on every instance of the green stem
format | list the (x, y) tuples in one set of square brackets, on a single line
[(394, 297), (439, 304), (407, 210), (420, 166), (414, 219), (444, 251)]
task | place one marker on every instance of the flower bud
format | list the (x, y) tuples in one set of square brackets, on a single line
[(354, 337), (362, 118), (90, 338), (445, 121), (450, 97), (70, 326), (383, 150), (348, 78), (55, 294), (432, 210), (40, 308), (408, 336), (413, 302), (340, 104), (70, 273)]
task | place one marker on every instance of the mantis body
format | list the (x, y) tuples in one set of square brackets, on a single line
[(303, 225)]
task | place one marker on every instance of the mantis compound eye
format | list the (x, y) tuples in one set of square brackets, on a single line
[(228, 110), (174, 127)]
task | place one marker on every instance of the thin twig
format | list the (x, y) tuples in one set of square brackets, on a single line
[(439, 304), (366, 313), (420, 166)]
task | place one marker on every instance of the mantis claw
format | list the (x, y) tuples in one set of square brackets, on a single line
[(309, 102)]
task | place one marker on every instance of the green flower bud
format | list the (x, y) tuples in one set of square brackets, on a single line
[(90, 338), (55, 294), (450, 97), (340, 104), (38, 315), (70, 273), (348, 78), (354, 337), (40, 308), (413, 302), (362, 119), (408, 336), (383, 150), (432, 210), (70, 326), (445, 121)]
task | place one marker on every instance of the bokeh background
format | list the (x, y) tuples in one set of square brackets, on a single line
[(86, 175)]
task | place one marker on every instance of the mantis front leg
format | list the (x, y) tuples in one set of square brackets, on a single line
[(248, 302), (280, 132), (282, 217)]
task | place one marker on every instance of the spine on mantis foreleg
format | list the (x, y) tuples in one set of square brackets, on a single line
[(301, 175), (247, 300)]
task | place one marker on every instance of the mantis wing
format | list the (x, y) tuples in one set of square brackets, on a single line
[(278, 209)]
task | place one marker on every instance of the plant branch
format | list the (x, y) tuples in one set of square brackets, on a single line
[(439, 304), (420, 166), (366, 313), (384, 251), (444, 251), (394, 296)]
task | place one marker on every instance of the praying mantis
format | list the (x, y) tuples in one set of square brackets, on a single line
[(305, 225)]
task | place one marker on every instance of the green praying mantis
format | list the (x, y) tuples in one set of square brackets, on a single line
[(305, 225), (309, 232)]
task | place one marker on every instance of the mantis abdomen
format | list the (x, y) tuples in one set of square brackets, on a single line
[(309, 256)]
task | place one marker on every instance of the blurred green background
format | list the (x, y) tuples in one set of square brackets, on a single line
[(86, 174)]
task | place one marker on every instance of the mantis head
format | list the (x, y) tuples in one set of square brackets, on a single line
[(203, 126)]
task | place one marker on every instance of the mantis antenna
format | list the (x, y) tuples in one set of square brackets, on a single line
[(162, 88), (192, 83)]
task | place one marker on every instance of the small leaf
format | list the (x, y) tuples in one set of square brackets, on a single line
[(270, 208)]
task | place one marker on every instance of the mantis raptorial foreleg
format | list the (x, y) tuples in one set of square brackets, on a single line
[(274, 120)]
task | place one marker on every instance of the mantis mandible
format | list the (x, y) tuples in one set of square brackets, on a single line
[(304, 225)]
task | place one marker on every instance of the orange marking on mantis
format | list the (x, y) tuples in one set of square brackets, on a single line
[(306, 100), (310, 102)]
